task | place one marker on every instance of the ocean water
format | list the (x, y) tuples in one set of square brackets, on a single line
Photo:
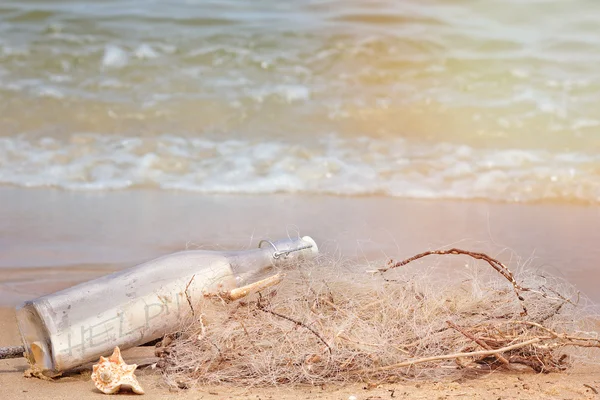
[(463, 99)]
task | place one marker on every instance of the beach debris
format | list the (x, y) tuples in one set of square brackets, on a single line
[(111, 374), (137, 305), (35, 372), (328, 321)]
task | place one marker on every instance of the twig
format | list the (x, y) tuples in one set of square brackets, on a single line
[(533, 363), (299, 323), (453, 356), (556, 335), (11, 352), (480, 342), (560, 296), (552, 313), (542, 327), (497, 265), (187, 295)]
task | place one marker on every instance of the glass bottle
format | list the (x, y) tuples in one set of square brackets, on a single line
[(139, 304)]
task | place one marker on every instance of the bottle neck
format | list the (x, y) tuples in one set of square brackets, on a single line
[(271, 254)]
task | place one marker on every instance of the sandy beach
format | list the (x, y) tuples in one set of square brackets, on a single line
[(56, 239), (579, 383), (131, 130)]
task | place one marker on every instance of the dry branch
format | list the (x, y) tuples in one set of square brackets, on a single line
[(261, 307), (187, 295), (495, 264), (456, 355), (478, 341)]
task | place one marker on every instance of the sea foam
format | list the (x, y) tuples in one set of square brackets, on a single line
[(114, 57), (330, 165)]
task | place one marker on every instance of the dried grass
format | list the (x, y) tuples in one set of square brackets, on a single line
[(329, 321)]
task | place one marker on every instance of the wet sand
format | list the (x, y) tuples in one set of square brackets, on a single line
[(50, 239)]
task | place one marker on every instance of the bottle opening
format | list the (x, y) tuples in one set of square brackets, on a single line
[(287, 248)]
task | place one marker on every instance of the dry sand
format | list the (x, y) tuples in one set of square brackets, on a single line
[(579, 383)]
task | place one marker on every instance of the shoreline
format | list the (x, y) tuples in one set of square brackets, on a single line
[(181, 192), (81, 235)]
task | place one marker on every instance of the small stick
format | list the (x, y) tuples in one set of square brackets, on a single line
[(480, 342), (187, 295), (453, 356), (551, 314), (11, 352), (542, 327), (535, 364), (563, 298), (497, 265), (556, 335), (299, 323)]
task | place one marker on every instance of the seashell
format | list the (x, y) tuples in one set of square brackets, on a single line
[(111, 373)]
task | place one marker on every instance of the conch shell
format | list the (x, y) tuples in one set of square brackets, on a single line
[(111, 373)]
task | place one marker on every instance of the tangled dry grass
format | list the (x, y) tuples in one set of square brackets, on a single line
[(327, 321)]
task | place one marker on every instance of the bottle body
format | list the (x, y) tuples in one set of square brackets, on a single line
[(134, 306)]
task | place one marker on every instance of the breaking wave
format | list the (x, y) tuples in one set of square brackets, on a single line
[(330, 165)]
